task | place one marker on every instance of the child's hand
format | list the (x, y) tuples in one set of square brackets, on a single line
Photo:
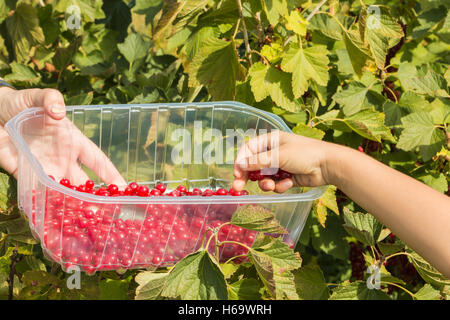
[(68, 144), (301, 156)]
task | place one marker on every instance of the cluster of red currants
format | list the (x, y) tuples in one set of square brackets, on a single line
[(278, 176), (134, 189), (357, 260), (104, 236)]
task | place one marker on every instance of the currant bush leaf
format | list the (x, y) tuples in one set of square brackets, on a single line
[(357, 291), (420, 130), (369, 124), (216, 66), (427, 271), (24, 30), (196, 277), (274, 261), (381, 33), (306, 64), (422, 80), (327, 201), (134, 47), (257, 218), (268, 81), (307, 131), (363, 227), (310, 283), (427, 292), (244, 289), (150, 285)]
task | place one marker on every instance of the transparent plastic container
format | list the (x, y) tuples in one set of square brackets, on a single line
[(141, 143)]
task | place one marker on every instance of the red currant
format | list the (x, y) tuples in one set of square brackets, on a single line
[(143, 191), (65, 182), (89, 184), (161, 187)]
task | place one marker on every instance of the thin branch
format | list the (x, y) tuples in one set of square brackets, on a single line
[(12, 271), (315, 10), (259, 27), (238, 23), (244, 30)]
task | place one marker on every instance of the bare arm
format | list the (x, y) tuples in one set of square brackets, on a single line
[(418, 214), (415, 212)]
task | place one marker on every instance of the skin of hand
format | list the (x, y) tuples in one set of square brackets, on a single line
[(416, 213), (69, 145)]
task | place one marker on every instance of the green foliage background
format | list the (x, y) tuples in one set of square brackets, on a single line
[(343, 74)]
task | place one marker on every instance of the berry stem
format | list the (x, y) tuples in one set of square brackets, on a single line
[(235, 257), (399, 286), (233, 242)]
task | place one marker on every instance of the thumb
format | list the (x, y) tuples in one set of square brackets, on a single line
[(51, 100)]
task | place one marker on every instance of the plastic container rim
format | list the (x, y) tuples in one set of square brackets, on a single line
[(12, 128)]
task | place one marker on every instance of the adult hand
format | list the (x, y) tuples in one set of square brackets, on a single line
[(69, 147)]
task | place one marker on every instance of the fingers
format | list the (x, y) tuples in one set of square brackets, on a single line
[(276, 186), (93, 158), (255, 154), (50, 99)]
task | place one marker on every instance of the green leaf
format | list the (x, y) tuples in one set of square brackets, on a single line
[(274, 261), (393, 114), (299, 117), (427, 292), (363, 227), (6, 7), (331, 239), (310, 283), (435, 180), (328, 200), (268, 81), (81, 99), (357, 52), (422, 80), (7, 191), (295, 22), (427, 271), (357, 291), (357, 96), (380, 30), (390, 248), (369, 124), (217, 67), (134, 47), (307, 131), (274, 10), (419, 130), (427, 20), (22, 74), (197, 39), (257, 218), (244, 289), (63, 56), (326, 25), (283, 257), (196, 277), (306, 64), (89, 9), (24, 30), (150, 285), (111, 289)]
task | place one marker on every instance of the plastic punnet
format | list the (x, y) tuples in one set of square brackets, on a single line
[(194, 144)]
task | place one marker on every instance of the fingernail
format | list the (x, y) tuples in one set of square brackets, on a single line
[(56, 109)]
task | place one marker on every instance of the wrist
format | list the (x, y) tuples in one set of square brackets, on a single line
[(335, 163)]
